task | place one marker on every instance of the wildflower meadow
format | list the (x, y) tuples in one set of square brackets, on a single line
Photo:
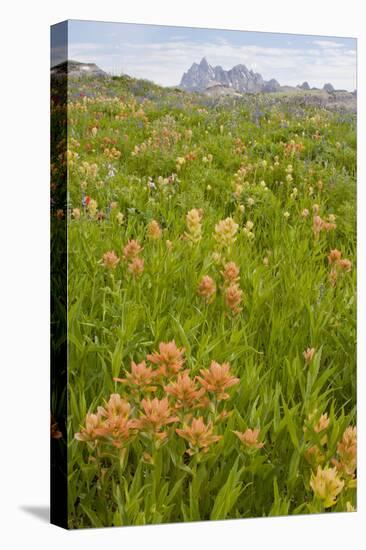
[(211, 305)]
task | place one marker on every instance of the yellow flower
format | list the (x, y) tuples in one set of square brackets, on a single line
[(289, 169), (153, 230), (308, 355), (194, 226), (92, 208), (120, 218), (216, 257), (326, 485), (225, 232)]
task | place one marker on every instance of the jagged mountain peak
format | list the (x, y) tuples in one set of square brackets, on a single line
[(204, 62), (239, 78)]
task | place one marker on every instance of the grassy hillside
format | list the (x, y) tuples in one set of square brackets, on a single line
[(241, 213)]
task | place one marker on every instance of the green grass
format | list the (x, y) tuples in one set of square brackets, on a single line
[(288, 305)]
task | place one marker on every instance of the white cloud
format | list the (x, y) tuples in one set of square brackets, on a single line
[(327, 44)]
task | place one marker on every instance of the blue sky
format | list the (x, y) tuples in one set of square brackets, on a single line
[(162, 54)]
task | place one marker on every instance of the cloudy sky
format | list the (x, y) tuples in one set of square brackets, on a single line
[(162, 54)]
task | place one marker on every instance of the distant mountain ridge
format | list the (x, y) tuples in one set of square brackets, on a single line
[(201, 77)]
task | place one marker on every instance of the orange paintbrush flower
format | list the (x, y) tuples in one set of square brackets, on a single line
[(347, 452), (169, 358), (234, 298), (345, 265), (140, 376), (89, 432), (322, 424), (132, 249), (250, 438), (217, 379), (230, 273), (115, 406), (317, 225), (318, 424), (110, 260), (207, 288), (157, 414), (328, 226), (136, 267), (334, 256), (338, 264), (199, 435), (184, 391), (333, 276), (117, 429)]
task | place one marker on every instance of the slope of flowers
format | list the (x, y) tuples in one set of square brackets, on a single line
[(212, 275)]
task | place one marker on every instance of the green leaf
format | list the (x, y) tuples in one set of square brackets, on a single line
[(228, 494)]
